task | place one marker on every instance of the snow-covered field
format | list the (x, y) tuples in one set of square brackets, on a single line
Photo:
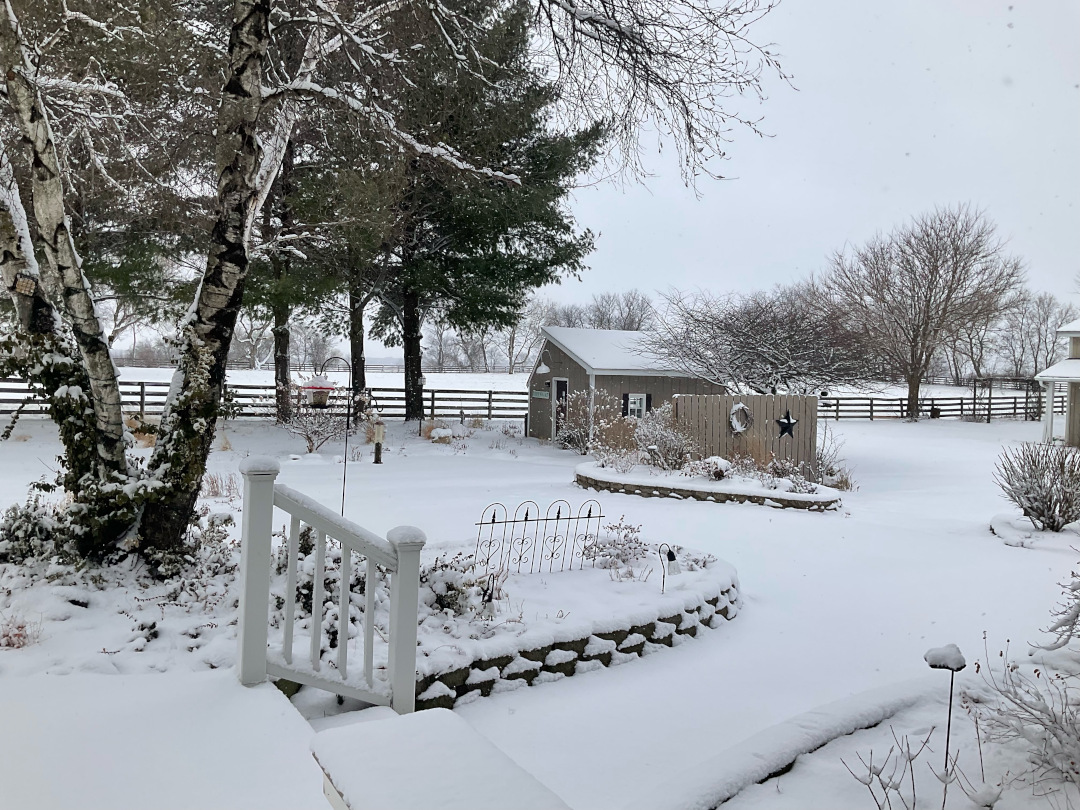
[(834, 605)]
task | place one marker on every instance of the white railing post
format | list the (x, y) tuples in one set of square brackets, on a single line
[(256, 528), (404, 601)]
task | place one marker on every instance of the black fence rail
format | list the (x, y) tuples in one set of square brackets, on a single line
[(258, 401)]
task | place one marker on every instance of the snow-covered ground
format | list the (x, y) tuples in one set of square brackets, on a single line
[(834, 604)]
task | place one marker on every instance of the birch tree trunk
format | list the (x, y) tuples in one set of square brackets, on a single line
[(187, 428), (57, 244)]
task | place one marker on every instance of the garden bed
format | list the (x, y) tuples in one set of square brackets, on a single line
[(649, 482)]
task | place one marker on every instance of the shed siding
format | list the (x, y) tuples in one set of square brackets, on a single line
[(661, 389)]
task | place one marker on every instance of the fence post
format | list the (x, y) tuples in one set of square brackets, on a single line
[(871, 409), (404, 598), (432, 403), (142, 400), (489, 405), (256, 527)]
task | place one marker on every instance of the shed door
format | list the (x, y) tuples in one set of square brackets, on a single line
[(558, 404)]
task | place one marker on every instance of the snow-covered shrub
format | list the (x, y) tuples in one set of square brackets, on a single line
[(17, 632), (450, 584), (317, 426), (622, 461), (713, 468), (30, 531), (1044, 481), (829, 466), (622, 545), (663, 441), (610, 429)]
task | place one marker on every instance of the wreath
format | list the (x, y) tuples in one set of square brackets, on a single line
[(741, 419)]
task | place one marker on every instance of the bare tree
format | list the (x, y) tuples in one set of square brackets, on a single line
[(631, 311), (785, 340), (908, 290)]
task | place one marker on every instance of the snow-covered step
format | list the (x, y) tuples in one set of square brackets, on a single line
[(420, 761)]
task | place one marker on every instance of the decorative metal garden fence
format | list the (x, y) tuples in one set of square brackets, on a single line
[(529, 543)]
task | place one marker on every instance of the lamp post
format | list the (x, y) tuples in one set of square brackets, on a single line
[(668, 564)]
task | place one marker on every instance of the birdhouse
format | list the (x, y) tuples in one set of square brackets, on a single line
[(380, 431), (317, 391)]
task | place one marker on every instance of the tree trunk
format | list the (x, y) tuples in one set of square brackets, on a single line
[(914, 382), (35, 312), (187, 428), (59, 249), (357, 301), (411, 336), (282, 371)]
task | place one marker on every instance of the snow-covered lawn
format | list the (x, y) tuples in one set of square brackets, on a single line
[(834, 604)]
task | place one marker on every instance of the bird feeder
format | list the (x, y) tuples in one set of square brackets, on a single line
[(317, 391)]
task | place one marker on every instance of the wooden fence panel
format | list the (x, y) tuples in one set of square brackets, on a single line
[(708, 417)]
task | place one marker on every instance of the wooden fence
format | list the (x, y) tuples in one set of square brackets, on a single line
[(148, 398), (711, 418)]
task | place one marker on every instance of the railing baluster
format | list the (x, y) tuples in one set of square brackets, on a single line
[(291, 554), (369, 619), (317, 597), (343, 612)]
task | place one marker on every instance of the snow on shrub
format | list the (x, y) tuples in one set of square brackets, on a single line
[(1044, 481), (16, 632), (610, 430), (663, 441)]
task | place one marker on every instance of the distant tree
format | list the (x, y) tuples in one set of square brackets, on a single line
[(908, 290), (785, 340), (630, 311)]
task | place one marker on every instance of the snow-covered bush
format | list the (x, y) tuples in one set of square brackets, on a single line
[(610, 429), (829, 468), (317, 426), (450, 584), (622, 545), (713, 468), (1044, 481), (622, 461), (17, 632), (30, 530), (663, 441)]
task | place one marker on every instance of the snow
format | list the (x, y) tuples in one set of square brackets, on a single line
[(259, 465), (170, 742), (605, 351), (431, 759), (947, 657), (832, 605), (1067, 370)]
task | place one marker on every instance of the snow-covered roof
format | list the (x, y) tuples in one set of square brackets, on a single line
[(1062, 371), (1071, 329), (608, 351)]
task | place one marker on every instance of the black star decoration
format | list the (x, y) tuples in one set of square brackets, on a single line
[(787, 425)]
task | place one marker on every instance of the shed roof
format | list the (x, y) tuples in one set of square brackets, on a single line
[(1062, 371), (1071, 329), (608, 351)]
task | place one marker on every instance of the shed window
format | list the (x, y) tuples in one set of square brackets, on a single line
[(635, 405)]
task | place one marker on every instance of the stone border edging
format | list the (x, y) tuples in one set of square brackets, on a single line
[(561, 659), (657, 491)]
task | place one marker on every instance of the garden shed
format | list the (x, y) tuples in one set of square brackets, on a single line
[(600, 360), (1065, 371)]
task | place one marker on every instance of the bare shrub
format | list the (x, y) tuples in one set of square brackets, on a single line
[(830, 469), (622, 545), (1044, 481), (607, 426), (317, 426), (663, 441), (221, 485)]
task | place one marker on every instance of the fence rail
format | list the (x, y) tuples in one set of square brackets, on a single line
[(398, 553), (148, 399)]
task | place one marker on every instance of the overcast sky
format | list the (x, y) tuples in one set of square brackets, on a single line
[(896, 107)]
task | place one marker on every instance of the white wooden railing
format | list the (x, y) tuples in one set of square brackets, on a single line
[(399, 554)]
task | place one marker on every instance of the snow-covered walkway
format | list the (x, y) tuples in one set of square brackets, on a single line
[(179, 740)]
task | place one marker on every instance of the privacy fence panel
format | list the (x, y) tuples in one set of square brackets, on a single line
[(761, 426)]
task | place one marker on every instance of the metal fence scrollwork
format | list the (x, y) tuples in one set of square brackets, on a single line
[(531, 543)]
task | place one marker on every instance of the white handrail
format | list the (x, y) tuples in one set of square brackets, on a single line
[(399, 553)]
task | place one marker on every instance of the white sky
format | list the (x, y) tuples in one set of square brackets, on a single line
[(900, 106)]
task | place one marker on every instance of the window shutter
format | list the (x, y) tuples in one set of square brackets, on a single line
[(648, 403), (625, 404)]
